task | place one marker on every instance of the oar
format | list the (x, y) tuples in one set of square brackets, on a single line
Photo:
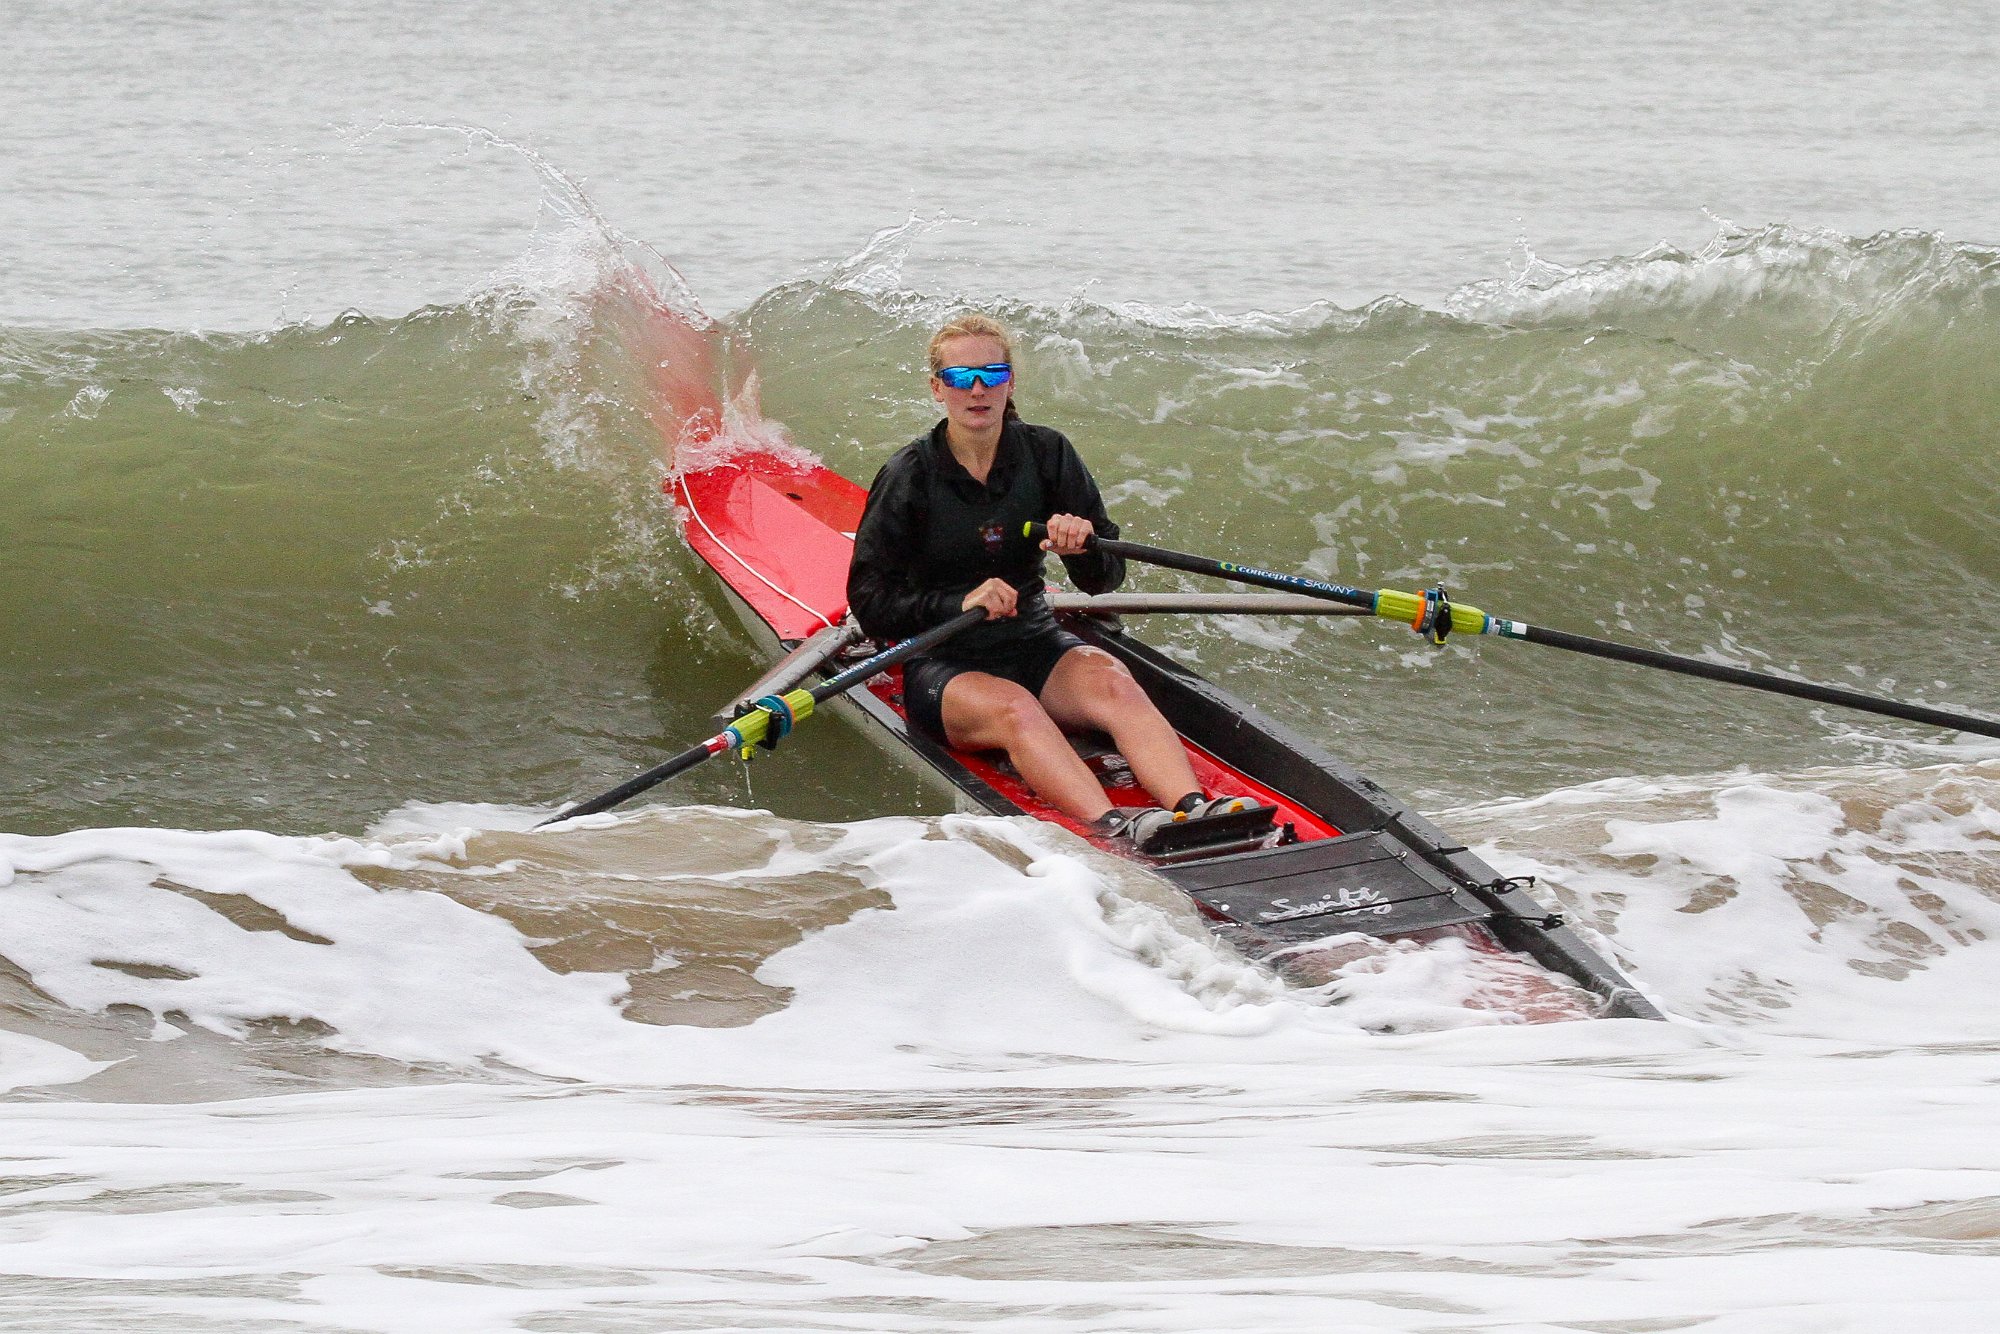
[(779, 712), (1433, 614)]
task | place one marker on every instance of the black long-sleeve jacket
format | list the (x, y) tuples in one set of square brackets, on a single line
[(931, 534)]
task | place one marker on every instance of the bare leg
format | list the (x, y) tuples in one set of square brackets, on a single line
[(984, 712), (1090, 688)]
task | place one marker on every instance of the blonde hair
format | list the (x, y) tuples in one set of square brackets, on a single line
[(972, 324)]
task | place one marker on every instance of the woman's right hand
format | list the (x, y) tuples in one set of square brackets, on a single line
[(996, 595)]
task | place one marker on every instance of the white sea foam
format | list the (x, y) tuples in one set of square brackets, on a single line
[(1033, 1091), (27, 1062), (1855, 904), (1008, 938)]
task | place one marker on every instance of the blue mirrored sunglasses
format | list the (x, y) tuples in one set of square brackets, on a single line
[(963, 377)]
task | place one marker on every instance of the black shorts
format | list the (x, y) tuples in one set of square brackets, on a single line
[(1027, 664)]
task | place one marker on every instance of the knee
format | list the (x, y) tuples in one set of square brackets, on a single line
[(1121, 689), (1021, 720), (1110, 688)]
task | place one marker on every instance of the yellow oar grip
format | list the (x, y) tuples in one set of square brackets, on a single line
[(1408, 608), (750, 728), (755, 725)]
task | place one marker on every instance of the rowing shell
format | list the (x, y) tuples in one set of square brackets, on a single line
[(1348, 864)]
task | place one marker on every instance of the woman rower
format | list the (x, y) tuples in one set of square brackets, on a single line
[(942, 533)]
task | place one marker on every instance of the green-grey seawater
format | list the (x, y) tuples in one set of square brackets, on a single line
[(295, 580)]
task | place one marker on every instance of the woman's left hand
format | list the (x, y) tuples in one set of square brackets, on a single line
[(1067, 534)]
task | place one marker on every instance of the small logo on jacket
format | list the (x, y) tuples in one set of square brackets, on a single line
[(993, 534)]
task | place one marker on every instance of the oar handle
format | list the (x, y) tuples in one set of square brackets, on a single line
[(780, 711)]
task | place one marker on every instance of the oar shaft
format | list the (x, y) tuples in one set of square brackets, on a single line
[(902, 652), (653, 777), (1242, 574), (755, 725), (1742, 676)]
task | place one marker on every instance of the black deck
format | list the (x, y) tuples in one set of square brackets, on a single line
[(1307, 891)]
